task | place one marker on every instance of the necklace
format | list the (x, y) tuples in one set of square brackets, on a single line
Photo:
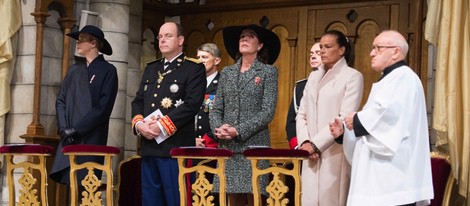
[(161, 76)]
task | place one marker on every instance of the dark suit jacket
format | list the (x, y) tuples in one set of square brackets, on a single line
[(186, 84)]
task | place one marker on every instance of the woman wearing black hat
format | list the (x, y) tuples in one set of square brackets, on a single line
[(85, 100), (245, 104)]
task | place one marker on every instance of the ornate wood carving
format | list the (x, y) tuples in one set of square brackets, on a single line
[(35, 128), (304, 21), (67, 24)]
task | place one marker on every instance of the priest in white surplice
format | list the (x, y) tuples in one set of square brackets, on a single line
[(387, 142)]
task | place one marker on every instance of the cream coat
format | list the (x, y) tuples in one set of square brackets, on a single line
[(326, 95)]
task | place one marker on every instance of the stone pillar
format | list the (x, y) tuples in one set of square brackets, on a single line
[(134, 72), (114, 21)]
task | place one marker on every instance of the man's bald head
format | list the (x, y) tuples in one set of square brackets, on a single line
[(388, 48), (395, 38)]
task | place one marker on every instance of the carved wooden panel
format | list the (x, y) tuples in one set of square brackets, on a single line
[(277, 126), (360, 25), (366, 33), (197, 39), (298, 28), (282, 22)]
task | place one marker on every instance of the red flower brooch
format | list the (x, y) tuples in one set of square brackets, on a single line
[(257, 80)]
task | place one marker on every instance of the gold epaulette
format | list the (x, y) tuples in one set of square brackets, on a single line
[(197, 61), (156, 60), (302, 80)]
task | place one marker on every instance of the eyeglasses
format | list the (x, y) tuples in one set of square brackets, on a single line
[(378, 48)]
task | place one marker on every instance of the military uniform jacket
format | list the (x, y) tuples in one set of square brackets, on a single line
[(179, 96), (202, 117), (293, 108), (85, 102)]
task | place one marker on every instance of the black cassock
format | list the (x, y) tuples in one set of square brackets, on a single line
[(85, 102)]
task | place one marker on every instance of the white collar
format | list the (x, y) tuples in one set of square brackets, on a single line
[(171, 60), (210, 78)]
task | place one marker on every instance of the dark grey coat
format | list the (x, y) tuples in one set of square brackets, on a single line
[(85, 102), (246, 101)]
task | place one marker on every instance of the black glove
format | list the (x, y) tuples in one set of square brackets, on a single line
[(69, 136)]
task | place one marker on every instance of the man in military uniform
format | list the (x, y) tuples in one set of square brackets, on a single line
[(315, 62), (170, 94), (209, 54)]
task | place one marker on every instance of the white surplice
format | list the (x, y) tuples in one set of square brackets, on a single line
[(391, 165)]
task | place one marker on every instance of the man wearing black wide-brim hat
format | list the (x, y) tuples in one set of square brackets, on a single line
[(85, 100)]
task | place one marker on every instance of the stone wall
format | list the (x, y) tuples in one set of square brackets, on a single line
[(116, 18)]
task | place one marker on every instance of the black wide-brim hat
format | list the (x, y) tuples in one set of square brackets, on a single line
[(269, 39), (96, 32)]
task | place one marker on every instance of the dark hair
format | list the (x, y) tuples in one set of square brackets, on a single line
[(262, 55), (179, 29), (99, 44), (342, 41)]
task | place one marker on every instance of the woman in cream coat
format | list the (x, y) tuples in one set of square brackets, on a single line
[(334, 89)]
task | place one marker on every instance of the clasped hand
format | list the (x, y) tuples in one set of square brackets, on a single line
[(69, 136), (307, 146), (226, 132), (200, 142), (336, 127), (149, 129)]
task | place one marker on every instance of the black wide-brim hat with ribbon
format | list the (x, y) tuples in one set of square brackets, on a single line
[(96, 32), (269, 39)]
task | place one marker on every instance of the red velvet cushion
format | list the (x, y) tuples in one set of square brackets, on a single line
[(200, 151), (440, 173), (269, 152), (27, 149), (91, 148)]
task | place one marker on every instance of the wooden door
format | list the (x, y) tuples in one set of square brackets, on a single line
[(360, 25)]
